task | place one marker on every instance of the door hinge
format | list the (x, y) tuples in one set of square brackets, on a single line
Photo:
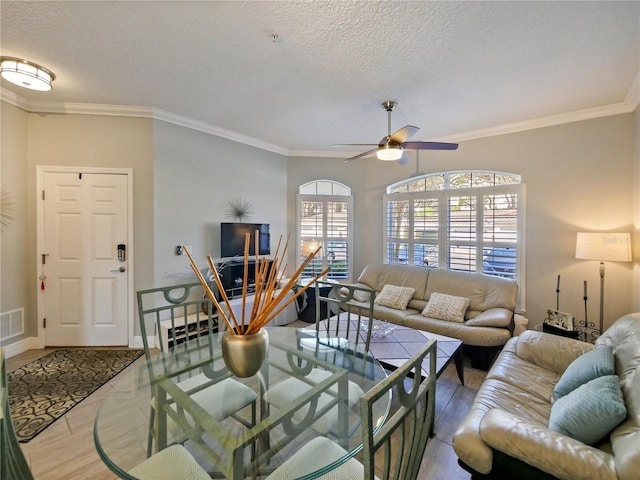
[(44, 323), (42, 194)]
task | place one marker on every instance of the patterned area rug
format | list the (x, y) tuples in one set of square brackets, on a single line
[(44, 390)]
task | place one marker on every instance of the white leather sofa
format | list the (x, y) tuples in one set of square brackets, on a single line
[(488, 321), (505, 434)]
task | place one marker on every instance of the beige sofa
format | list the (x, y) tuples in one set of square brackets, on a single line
[(488, 321), (505, 433)]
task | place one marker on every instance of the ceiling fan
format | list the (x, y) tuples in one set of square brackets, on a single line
[(392, 145)]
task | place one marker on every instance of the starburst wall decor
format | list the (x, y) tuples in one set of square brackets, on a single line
[(238, 209), (7, 208)]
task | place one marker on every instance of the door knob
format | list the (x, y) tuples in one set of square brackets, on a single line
[(121, 269)]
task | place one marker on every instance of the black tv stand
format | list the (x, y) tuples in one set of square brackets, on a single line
[(232, 276)]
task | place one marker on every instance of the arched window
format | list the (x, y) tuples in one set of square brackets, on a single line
[(325, 217), (464, 220)]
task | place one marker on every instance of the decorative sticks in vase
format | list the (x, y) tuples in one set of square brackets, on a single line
[(269, 299)]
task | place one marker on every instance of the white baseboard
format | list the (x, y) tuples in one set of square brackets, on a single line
[(137, 342), (33, 343), (21, 346)]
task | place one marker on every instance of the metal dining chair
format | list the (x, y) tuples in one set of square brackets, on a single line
[(13, 464), (393, 450), (338, 337), (184, 320), (342, 330), (170, 463)]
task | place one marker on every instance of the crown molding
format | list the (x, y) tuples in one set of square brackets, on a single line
[(92, 109), (218, 132), (629, 104), (321, 153), (14, 99), (134, 111), (548, 121), (39, 106)]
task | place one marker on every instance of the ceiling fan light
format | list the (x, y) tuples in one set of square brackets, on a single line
[(389, 152), (26, 74)]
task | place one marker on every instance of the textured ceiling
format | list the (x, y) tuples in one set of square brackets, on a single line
[(453, 67)]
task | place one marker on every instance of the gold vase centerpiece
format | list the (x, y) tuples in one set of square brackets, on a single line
[(245, 344), (244, 354)]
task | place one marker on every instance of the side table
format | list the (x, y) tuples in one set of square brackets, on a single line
[(308, 314), (575, 334)]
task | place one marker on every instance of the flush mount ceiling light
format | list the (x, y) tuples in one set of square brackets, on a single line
[(26, 74)]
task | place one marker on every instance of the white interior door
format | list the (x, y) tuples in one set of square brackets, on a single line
[(85, 280)]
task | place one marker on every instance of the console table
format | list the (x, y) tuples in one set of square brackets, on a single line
[(232, 276), (288, 315)]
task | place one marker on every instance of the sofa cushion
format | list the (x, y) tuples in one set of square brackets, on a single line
[(446, 307), (358, 295), (591, 411), (376, 276), (493, 317), (394, 296), (483, 291), (476, 336), (586, 367)]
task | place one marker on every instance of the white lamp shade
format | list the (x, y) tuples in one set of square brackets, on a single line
[(611, 247), (310, 246), (26, 74)]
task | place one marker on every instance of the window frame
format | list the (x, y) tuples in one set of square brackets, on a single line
[(344, 196), (442, 195)]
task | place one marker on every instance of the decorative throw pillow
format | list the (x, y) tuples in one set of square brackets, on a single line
[(591, 411), (446, 307), (393, 296), (588, 366)]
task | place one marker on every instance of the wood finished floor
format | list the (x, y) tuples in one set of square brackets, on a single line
[(65, 450)]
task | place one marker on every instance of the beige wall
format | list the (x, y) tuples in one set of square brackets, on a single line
[(75, 140), (195, 176), (636, 221), (578, 177), (15, 281), (192, 174)]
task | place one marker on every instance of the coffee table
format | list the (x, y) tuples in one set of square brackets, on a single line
[(399, 345)]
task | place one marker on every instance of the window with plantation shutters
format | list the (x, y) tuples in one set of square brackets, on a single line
[(469, 221), (325, 218)]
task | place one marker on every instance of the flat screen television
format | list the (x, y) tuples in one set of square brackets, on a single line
[(232, 236)]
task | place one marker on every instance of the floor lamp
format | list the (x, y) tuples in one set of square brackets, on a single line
[(308, 247), (605, 247)]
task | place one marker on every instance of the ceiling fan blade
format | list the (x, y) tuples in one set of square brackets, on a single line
[(364, 154), (404, 134), (404, 159), (430, 145)]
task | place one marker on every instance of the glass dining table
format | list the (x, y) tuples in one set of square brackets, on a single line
[(147, 410)]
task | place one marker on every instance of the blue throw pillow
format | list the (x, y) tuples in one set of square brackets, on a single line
[(591, 411), (586, 367)]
